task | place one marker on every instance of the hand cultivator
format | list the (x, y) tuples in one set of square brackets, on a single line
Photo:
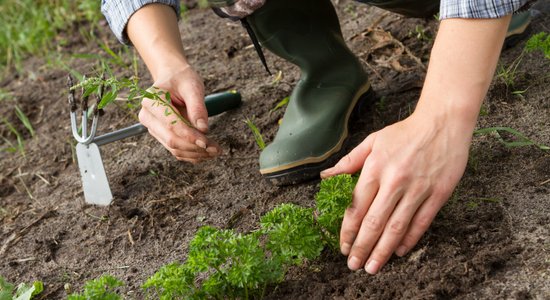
[(94, 179)]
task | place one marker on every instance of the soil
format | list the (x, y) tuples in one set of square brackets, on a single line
[(490, 241)]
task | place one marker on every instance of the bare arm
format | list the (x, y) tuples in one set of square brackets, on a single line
[(410, 169), (153, 30)]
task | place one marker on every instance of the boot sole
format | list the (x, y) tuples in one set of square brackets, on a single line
[(305, 170)]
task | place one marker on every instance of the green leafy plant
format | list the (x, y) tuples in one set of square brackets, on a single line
[(256, 132), (334, 196), (223, 264), (102, 288), (23, 292), (421, 34), (109, 90), (292, 234), (540, 42), (521, 139)]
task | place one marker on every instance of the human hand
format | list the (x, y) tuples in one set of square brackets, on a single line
[(409, 170), (187, 93)]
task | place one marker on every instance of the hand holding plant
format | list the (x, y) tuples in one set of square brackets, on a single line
[(186, 92), (154, 32)]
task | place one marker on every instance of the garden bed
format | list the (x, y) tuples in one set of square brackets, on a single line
[(492, 240)]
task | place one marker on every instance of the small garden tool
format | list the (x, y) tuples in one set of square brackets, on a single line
[(94, 179)]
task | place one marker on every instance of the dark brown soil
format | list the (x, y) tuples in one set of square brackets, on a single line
[(490, 241)]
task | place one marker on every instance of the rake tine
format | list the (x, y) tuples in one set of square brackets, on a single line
[(72, 103), (84, 107), (83, 137), (73, 107)]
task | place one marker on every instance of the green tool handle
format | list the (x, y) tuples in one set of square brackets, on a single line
[(221, 102), (215, 105)]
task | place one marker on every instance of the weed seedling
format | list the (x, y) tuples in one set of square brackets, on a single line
[(280, 105), (257, 134), (102, 288), (23, 118), (23, 291), (538, 42), (20, 147), (521, 141), (116, 86), (421, 34)]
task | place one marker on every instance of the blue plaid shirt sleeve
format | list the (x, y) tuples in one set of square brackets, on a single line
[(118, 13), (479, 9)]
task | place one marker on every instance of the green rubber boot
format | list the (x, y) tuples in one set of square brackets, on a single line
[(315, 125), (517, 30)]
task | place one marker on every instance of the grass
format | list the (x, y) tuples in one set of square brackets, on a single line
[(11, 147), (508, 74), (280, 105), (257, 134), (31, 27), (519, 139), (19, 144)]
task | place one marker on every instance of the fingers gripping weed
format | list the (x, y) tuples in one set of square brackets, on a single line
[(135, 93)]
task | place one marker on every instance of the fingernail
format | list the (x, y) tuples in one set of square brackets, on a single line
[(372, 267), (202, 125), (212, 150), (200, 144), (354, 263), (345, 248), (325, 173), (401, 251)]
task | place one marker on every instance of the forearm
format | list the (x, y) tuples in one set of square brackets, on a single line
[(462, 65), (154, 32)]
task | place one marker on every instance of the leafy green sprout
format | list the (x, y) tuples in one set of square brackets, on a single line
[(23, 292), (257, 134), (421, 34), (102, 288), (223, 264), (332, 200), (114, 87), (539, 42), (292, 234)]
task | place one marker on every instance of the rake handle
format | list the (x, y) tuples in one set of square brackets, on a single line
[(215, 105)]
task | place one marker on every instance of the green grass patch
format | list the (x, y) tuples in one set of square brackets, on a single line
[(31, 27)]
